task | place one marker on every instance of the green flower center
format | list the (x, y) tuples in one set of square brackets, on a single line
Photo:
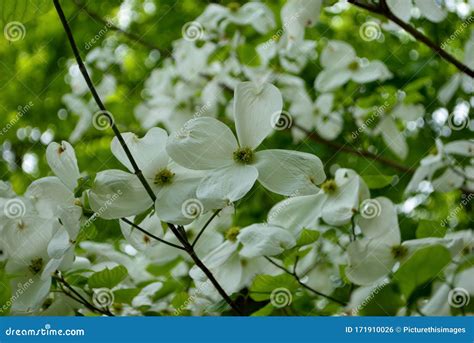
[(233, 6), (244, 155), (36, 265), (232, 233), (399, 252), (354, 65), (164, 177), (329, 187)]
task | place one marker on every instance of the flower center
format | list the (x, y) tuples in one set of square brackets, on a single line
[(36, 265), (354, 65), (399, 252), (329, 187), (244, 155), (233, 6), (232, 233), (164, 177)]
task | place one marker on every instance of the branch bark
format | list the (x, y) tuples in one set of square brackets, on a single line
[(182, 238)]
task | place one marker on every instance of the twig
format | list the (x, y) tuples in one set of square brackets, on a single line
[(150, 234), (383, 9), (340, 147), (78, 297), (176, 231), (297, 278), (216, 212)]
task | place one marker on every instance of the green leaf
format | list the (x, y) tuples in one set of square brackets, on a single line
[(424, 265), (125, 295), (179, 301), (248, 55), (5, 293), (307, 237), (263, 285), (377, 181), (430, 228), (22, 10), (383, 301), (264, 311), (108, 278)]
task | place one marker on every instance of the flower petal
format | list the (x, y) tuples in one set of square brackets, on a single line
[(62, 161), (255, 108), (203, 143), (337, 54), (393, 138), (289, 172), (330, 79), (431, 10), (47, 194), (261, 240)]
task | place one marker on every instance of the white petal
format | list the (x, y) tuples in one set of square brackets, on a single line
[(226, 185), (324, 103), (448, 181), (203, 143), (297, 212), (329, 126), (47, 194), (392, 136), (149, 152), (116, 194), (256, 109), (34, 293), (215, 259), (463, 148), (408, 112), (447, 91), (330, 79), (401, 8), (369, 261), (374, 70), (62, 161), (138, 239), (337, 54), (378, 219), (431, 10), (289, 172), (261, 239)]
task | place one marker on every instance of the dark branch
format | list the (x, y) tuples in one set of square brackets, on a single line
[(205, 227)]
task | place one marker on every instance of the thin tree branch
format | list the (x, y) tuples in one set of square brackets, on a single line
[(297, 278), (129, 222), (130, 35), (176, 231), (78, 296), (385, 11), (216, 212), (340, 147)]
